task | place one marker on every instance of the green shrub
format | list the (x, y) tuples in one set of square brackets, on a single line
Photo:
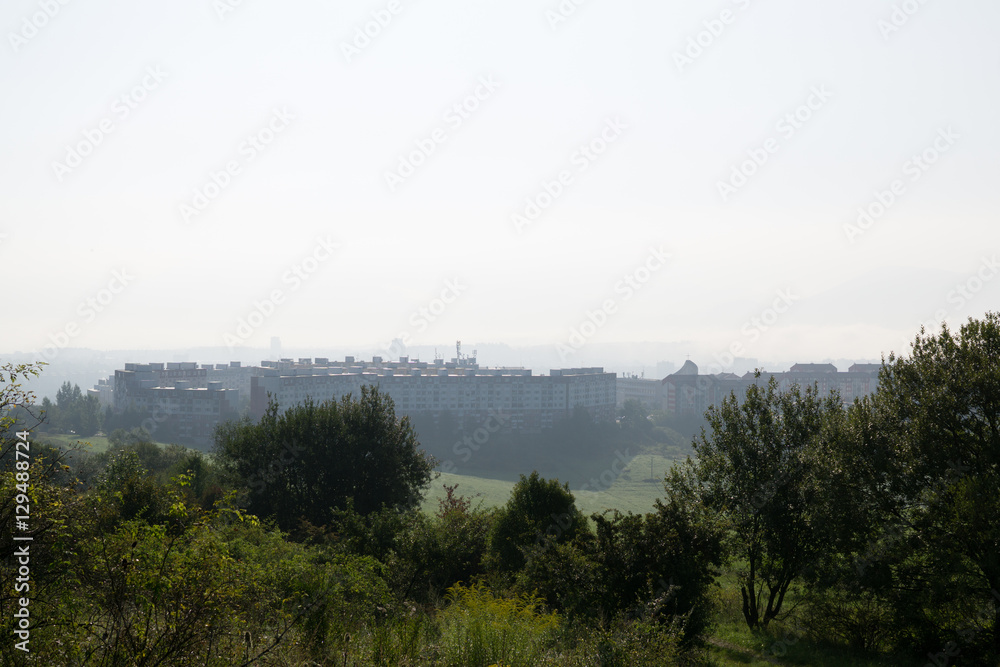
[(539, 513), (479, 629)]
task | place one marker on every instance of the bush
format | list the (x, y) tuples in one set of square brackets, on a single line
[(539, 513), (479, 630), (863, 621)]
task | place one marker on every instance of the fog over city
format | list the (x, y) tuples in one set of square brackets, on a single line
[(564, 183)]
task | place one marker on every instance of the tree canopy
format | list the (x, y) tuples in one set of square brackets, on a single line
[(313, 458), (757, 470)]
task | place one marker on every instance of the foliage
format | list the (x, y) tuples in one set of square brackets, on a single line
[(632, 417), (445, 549), (301, 463), (929, 472), (637, 643), (479, 629), (539, 513), (73, 411), (757, 471), (14, 399)]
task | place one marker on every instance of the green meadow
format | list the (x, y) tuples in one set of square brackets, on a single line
[(630, 490)]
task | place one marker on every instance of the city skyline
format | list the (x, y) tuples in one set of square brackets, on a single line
[(565, 175)]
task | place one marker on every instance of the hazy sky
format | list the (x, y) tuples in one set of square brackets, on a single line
[(182, 164)]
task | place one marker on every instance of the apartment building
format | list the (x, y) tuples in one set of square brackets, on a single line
[(686, 392), (647, 391), (458, 390)]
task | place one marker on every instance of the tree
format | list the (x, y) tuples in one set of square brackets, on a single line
[(633, 417), (933, 435), (73, 411), (312, 458), (539, 513), (758, 471), (666, 560), (16, 402)]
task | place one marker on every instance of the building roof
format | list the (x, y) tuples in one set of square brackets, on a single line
[(689, 368), (813, 368)]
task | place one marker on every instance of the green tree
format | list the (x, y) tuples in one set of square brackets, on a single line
[(312, 458), (539, 513), (667, 559), (633, 417), (73, 411), (932, 433), (758, 470)]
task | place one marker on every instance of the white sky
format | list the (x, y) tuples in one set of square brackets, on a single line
[(656, 186)]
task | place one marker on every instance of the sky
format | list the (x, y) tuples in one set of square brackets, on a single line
[(763, 178)]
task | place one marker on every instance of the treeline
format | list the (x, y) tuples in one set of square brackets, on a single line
[(304, 541), (80, 414), (880, 519), (73, 412), (574, 449), (870, 528)]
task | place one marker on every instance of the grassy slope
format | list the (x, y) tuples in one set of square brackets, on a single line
[(92, 444), (633, 490)]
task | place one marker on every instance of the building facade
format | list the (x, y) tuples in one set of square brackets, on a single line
[(460, 391), (184, 401), (647, 392), (687, 393), (187, 401)]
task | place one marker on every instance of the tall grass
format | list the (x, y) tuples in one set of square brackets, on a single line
[(479, 629)]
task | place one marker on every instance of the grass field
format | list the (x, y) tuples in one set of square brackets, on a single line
[(625, 487), (92, 444)]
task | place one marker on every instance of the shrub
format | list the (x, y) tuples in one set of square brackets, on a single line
[(539, 513), (479, 629)]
